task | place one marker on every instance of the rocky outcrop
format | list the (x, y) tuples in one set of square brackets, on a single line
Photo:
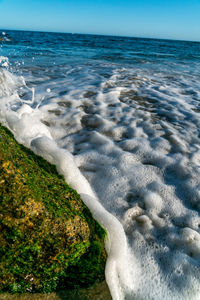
[(48, 238)]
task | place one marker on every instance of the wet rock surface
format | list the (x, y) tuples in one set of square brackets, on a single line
[(48, 238)]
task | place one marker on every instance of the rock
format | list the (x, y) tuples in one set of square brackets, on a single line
[(48, 238)]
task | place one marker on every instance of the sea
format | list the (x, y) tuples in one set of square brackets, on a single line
[(120, 118)]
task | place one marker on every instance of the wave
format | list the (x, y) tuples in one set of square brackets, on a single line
[(25, 123), (135, 163)]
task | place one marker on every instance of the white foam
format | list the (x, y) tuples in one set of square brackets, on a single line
[(133, 155), (26, 125)]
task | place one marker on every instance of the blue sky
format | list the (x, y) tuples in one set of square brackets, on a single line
[(176, 19)]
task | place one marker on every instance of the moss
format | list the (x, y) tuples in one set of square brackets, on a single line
[(48, 238), (98, 291)]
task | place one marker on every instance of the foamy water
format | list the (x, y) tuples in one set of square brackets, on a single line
[(120, 119)]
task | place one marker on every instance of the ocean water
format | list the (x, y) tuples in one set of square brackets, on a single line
[(120, 117)]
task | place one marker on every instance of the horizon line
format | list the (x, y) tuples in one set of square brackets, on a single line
[(98, 34)]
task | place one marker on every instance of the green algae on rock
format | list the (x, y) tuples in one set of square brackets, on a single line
[(48, 238), (98, 291)]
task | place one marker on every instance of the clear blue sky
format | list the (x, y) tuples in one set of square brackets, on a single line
[(176, 19)]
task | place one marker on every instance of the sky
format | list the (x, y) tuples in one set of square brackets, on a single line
[(170, 19)]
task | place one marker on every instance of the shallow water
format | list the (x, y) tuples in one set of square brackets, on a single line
[(120, 119)]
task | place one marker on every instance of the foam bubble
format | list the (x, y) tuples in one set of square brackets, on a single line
[(153, 201)]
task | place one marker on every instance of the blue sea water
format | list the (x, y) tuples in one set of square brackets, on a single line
[(127, 109)]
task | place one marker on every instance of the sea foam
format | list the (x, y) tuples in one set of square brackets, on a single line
[(26, 125)]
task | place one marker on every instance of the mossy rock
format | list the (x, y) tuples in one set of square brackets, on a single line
[(48, 238)]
